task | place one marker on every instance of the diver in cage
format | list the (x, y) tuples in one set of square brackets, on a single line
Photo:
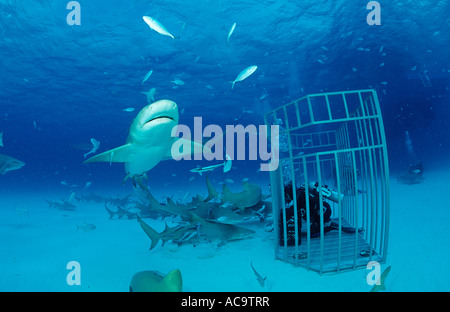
[(314, 210), (290, 219)]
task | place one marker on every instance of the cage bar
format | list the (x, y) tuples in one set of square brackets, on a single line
[(331, 190)]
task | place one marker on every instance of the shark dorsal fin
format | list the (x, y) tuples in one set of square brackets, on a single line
[(226, 191), (172, 282), (212, 193), (195, 218), (381, 285)]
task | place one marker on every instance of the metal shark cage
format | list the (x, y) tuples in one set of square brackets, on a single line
[(332, 148)]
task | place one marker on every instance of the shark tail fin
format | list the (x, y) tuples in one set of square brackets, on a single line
[(110, 212), (212, 193), (154, 204), (172, 282), (227, 164), (151, 233)]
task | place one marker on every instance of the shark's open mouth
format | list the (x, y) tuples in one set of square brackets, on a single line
[(159, 117)]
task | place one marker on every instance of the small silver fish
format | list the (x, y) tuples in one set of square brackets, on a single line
[(226, 167), (95, 146), (72, 197), (150, 94), (86, 227), (244, 74), (231, 32), (22, 210), (178, 82), (157, 26), (147, 76)]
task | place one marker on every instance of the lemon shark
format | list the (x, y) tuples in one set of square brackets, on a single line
[(8, 163), (154, 281), (249, 197), (206, 210), (261, 280), (149, 141), (196, 230)]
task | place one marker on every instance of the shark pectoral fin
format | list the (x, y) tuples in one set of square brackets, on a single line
[(183, 149), (128, 176), (118, 154)]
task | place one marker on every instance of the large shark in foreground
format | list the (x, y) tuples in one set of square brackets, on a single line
[(8, 163), (154, 281), (149, 140), (195, 231)]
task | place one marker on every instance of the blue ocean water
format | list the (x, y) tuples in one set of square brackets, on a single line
[(73, 82), (64, 84)]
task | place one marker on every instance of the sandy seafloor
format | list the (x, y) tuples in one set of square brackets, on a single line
[(36, 248)]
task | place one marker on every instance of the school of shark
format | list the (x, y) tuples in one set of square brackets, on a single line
[(222, 217)]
